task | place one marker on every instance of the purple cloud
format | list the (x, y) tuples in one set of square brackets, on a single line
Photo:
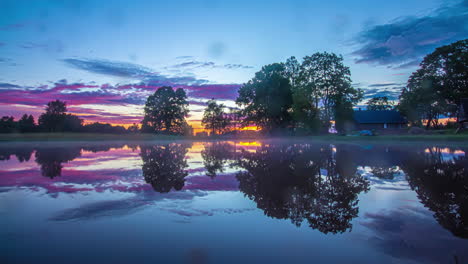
[(403, 42)]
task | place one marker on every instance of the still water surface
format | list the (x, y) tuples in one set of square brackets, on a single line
[(232, 202)]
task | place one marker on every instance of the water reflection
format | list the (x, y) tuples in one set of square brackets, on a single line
[(303, 182), (50, 159), (164, 166), (316, 184), (217, 156), (441, 183)]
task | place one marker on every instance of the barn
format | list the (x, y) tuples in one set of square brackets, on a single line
[(379, 120)]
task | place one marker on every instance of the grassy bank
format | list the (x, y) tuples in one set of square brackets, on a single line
[(84, 137), (447, 137)]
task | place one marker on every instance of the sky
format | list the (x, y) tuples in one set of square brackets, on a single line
[(104, 58)]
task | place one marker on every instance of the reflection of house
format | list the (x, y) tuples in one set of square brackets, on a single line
[(382, 119)]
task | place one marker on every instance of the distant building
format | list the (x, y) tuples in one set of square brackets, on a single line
[(379, 120)]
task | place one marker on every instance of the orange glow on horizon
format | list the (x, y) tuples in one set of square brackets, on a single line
[(251, 144)]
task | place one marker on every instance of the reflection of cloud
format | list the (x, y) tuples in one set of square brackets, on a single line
[(411, 233), (122, 207), (403, 42)]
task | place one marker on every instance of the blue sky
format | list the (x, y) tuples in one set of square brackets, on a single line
[(71, 48)]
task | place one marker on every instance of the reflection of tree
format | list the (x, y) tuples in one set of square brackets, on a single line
[(442, 186), (51, 159), (385, 173), (302, 182), (216, 156), (164, 166), (22, 153)]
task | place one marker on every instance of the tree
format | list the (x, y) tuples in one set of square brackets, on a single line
[(165, 111), (326, 82), (436, 88), (304, 112), (7, 124), (56, 119), (133, 128), (266, 100), (380, 103), (26, 124), (215, 118)]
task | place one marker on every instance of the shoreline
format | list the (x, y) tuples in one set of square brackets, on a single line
[(85, 137)]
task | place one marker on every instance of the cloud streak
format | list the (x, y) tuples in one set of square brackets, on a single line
[(402, 43)]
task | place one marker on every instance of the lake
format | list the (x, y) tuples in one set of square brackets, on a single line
[(233, 202)]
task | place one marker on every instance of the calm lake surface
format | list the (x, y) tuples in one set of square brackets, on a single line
[(233, 202)]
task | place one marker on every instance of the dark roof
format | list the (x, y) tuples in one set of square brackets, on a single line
[(463, 110), (379, 117)]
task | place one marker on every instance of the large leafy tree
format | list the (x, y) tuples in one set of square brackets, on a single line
[(436, 88), (215, 118), (267, 99), (326, 82), (304, 112), (165, 111), (380, 103), (56, 119)]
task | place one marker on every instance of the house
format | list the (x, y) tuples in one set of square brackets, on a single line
[(378, 120), (462, 116)]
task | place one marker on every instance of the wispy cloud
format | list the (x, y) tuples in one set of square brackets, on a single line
[(9, 86), (194, 64), (383, 84), (119, 69), (402, 43), (10, 27)]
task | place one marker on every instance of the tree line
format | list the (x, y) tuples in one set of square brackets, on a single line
[(291, 97), (57, 119)]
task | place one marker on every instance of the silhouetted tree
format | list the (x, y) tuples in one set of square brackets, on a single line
[(103, 128), (26, 124), (326, 82), (436, 88), (266, 100), (164, 166), (215, 118), (380, 103), (165, 111), (56, 119), (7, 124), (133, 128)]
